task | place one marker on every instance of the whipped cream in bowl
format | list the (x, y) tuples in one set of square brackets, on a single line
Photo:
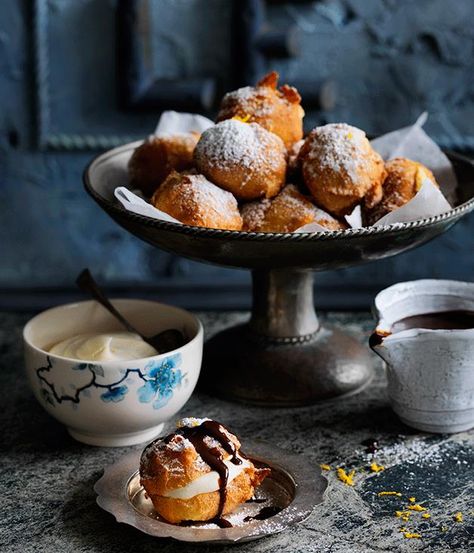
[(104, 346), (108, 386)]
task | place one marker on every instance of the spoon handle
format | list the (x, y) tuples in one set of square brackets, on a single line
[(86, 282)]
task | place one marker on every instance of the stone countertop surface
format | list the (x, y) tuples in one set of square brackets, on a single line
[(46, 486)]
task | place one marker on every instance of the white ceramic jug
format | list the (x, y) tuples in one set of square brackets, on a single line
[(430, 372)]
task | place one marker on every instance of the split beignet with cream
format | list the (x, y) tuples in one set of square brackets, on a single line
[(198, 473)]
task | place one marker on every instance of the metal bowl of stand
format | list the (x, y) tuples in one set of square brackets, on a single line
[(282, 356)]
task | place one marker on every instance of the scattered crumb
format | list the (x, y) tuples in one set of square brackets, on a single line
[(347, 479), (376, 468), (325, 467), (398, 494), (458, 517)]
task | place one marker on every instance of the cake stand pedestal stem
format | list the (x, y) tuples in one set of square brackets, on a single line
[(283, 303), (282, 356)]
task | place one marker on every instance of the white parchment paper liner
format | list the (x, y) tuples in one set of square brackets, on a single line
[(411, 142), (174, 122)]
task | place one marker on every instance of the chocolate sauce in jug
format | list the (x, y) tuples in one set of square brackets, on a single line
[(446, 320)]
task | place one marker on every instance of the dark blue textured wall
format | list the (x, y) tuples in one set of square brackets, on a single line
[(391, 59)]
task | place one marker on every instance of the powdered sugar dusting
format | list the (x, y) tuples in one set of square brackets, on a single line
[(253, 214), (232, 143), (160, 451), (190, 422), (244, 93), (180, 444), (205, 200), (410, 451), (293, 152), (257, 101), (338, 147), (291, 206), (204, 193), (325, 220)]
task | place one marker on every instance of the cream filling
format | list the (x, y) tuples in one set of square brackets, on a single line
[(207, 483)]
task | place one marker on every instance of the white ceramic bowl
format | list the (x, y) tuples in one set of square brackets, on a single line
[(430, 372), (113, 403)]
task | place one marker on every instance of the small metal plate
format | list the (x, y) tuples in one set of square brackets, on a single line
[(294, 486)]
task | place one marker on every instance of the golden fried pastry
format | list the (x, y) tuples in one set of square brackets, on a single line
[(286, 212), (243, 158), (198, 473), (154, 160), (341, 169), (253, 214), (293, 172), (293, 159), (277, 110), (195, 201), (403, 181)]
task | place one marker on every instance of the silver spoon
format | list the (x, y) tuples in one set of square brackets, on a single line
[(163, 342)]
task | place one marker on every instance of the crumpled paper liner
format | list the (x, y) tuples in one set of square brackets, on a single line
[(173, 122), (411, 142)]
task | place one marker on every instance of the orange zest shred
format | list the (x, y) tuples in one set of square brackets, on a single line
[(325, 467), (458, 517), (404, 515), (244, 119), (416, 507), (411, 535), (412, 499), (376, 468), (398, 494), (347, 479), (426, 515)]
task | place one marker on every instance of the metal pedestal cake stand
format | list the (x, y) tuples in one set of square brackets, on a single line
[(282, 356)]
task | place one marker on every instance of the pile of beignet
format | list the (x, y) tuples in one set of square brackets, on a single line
[(253, 171)]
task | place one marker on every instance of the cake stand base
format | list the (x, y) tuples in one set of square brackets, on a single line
[(239, 367), (282, 357)]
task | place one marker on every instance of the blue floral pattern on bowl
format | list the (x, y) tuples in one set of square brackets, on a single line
[(160, 378)]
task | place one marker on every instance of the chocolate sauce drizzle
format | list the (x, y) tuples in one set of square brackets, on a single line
[(213, 456), (264, 513)]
